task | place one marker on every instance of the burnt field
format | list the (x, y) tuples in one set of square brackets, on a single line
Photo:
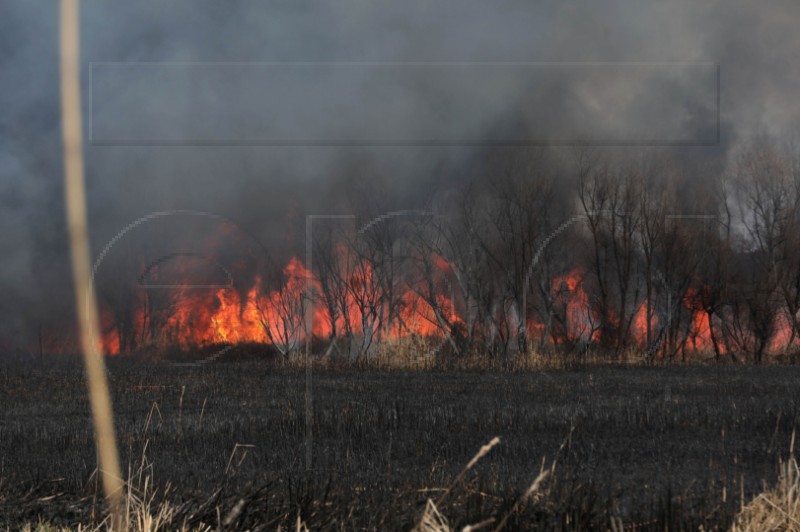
[(654, 447)]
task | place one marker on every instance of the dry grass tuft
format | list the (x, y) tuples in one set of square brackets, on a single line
[(775, 509), (432, 520), (412, 352)]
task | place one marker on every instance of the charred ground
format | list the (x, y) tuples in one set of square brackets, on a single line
[(676, 446)]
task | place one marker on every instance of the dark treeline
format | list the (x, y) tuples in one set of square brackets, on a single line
[(542, 250)]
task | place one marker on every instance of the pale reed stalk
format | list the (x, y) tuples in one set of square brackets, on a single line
[(75, 197)]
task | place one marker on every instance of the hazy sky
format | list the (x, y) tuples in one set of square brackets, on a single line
[(577, 89)]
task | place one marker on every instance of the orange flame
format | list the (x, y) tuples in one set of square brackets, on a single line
[(212, 315), (197, 317)]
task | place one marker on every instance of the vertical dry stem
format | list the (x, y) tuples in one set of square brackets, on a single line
[(75, 197)]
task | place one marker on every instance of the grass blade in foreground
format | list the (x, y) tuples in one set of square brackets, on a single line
[(79, 246)]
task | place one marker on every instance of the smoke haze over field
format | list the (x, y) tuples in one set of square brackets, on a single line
[(267, 188)]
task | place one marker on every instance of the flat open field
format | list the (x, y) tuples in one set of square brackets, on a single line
[(656, 447)]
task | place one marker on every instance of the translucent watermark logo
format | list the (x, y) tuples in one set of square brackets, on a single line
[(165, 255), (359, 277)]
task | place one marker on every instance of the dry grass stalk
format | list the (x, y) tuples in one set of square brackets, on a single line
[(532, 490), (301, 526), (432, 520), (153, 408), (236, 448), (481, 453), (479, 526), (778, 508), (81, 266)]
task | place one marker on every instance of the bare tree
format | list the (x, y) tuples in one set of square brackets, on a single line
[(281, 306), (428, 277), (520, 209), (609, 197), (331, 259), (766, 203)]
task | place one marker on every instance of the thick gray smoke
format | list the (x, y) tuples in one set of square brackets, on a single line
[(667, 94)]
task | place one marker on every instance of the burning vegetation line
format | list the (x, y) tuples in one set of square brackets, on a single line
[(494, 275), (79, 243)]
